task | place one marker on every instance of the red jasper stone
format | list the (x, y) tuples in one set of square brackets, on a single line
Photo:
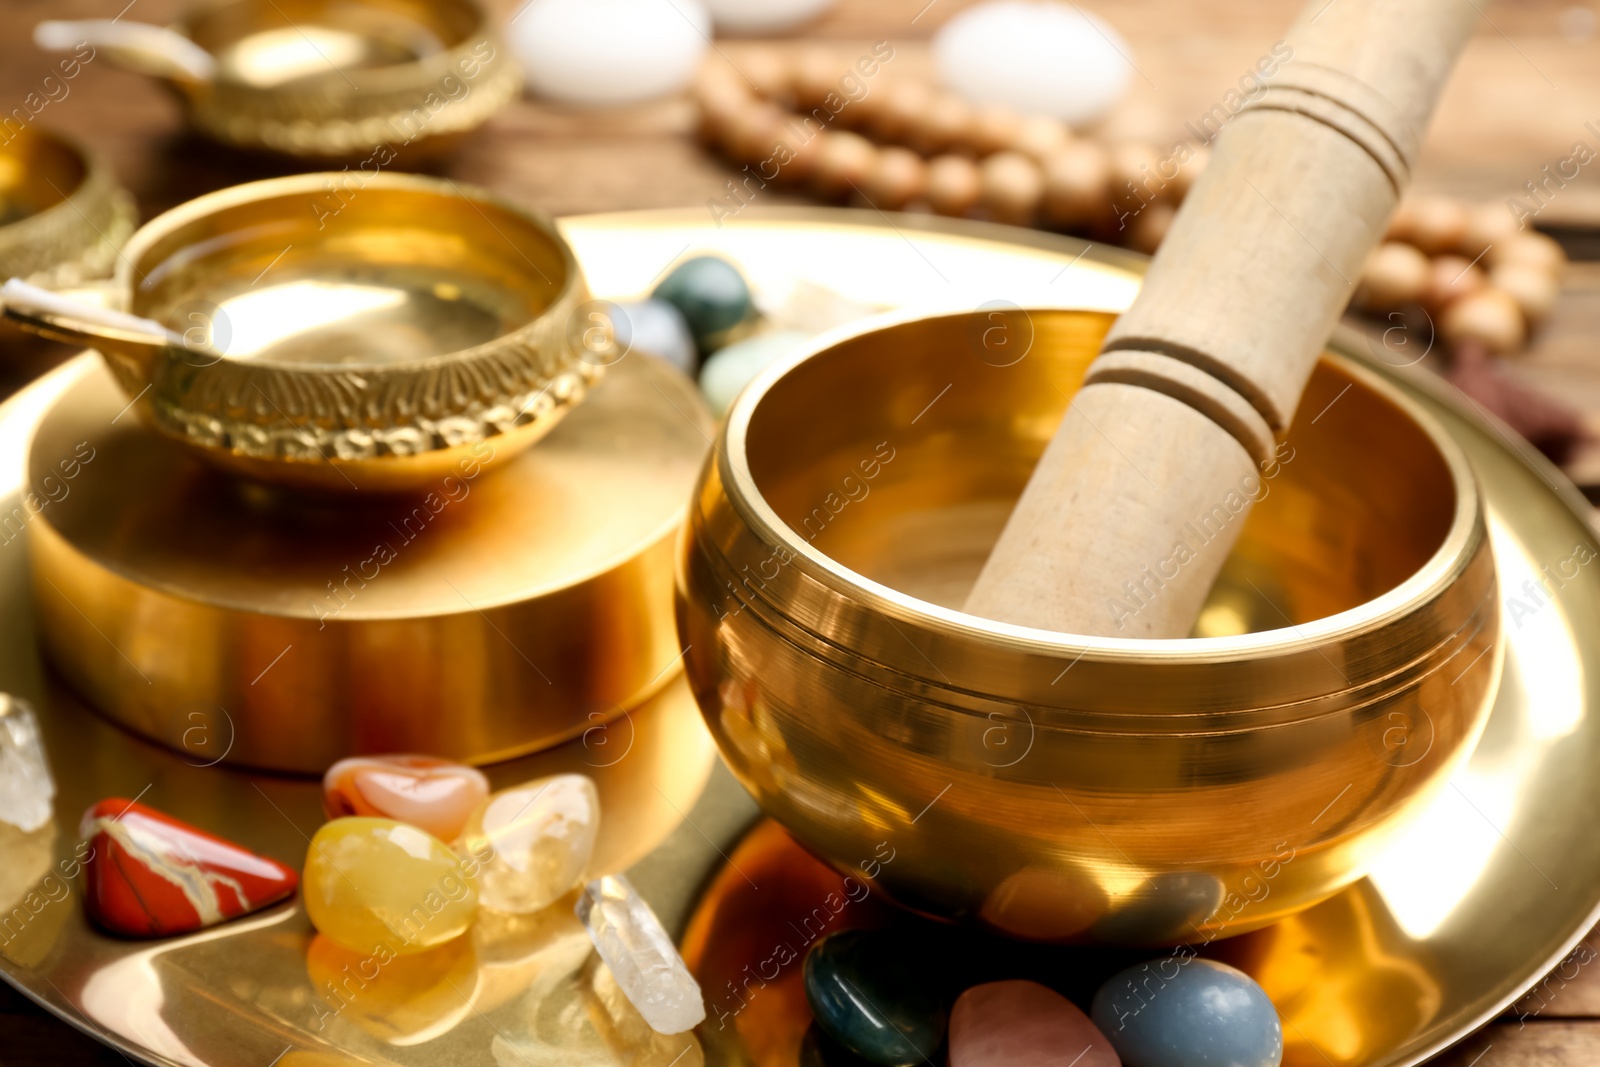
[(149, 875)]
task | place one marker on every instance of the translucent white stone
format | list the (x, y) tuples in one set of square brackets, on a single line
[(27, 791), (532, 842), (763, 16), (1036, 57), (583, 1020), (601, 52), (641, 956)]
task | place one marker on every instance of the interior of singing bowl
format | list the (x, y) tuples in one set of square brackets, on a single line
[(335, 270), (1358, 500), (36, 172), (271, 44)]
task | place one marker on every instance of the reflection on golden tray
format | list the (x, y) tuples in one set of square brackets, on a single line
[(1449, 929)]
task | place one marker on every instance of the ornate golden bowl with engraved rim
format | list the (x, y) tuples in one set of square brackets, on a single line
[(347, 334), (62, 214), (1070, 788), (331, 79)]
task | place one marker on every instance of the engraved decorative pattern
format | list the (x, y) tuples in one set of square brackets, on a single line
[(266, 411), (395, 106), (74, 241)]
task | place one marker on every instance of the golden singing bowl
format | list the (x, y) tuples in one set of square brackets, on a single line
[(1060, 787), (345, 78), (62, 214), (345, 335)]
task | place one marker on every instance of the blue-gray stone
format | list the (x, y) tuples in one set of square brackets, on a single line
[(877, 996), (1181, 1011), (659, 328), (710, 293)]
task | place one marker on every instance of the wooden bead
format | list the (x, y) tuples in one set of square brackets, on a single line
[(802, 144), (1438, 225), (946, 125), (843, 161), (1135, 176), (717, 79), (1147, 229), (897, 178), (720, 110), (752, 133), (954, 185), (1039, 136), (901, 106), (816, 74), (767, 72), (1449, 279), (1189, 171), (994, 129), (1532, 248), (1534, 288), (1432, 223), (1489, 317), (1487, 226), (1396, 275), (1013, 187), (1077, 184)]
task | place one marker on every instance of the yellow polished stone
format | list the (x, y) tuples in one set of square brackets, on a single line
[(379, 885)]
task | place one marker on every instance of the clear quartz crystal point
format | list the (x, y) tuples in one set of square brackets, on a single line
[(641, 956), (26, 788)]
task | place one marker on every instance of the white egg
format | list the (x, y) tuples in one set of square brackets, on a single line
[(764, 16), (1035, 56), (603, 52)]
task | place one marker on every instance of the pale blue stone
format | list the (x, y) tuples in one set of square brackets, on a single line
[(1180, 1011), (658, 328)]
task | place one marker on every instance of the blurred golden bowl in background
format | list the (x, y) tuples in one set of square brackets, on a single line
[(341, 79), (1067, 788)]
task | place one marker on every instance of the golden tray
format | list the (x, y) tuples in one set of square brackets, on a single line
[(1497, 884)]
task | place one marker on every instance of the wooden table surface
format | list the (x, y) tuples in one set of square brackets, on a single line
[(1522, 97)]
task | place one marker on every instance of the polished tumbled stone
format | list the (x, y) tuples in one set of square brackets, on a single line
[(642, 958), (27, 792), (433, 794), (710, 293), (730, 370), (1181, 1011), (875, 996), (376, 883), (532, 843), (659, 329), (1023, 1024)]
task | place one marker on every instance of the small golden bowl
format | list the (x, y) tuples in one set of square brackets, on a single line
[(1057, 787), (344, 335), (342, 79), (63, 217)]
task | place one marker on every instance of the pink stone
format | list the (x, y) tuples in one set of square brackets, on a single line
[(1023, 1024), (431, 794)]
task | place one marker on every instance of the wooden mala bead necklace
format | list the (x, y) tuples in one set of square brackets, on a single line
[(1468, 278)]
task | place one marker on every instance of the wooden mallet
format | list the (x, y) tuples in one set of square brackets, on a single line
[(1119, 531)]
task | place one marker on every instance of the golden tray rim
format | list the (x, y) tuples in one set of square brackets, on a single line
[(695, 858)]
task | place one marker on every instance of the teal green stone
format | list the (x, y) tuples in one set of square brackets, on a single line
[(730, 370), (877, 996), (1180, 1011), (710, 293)]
